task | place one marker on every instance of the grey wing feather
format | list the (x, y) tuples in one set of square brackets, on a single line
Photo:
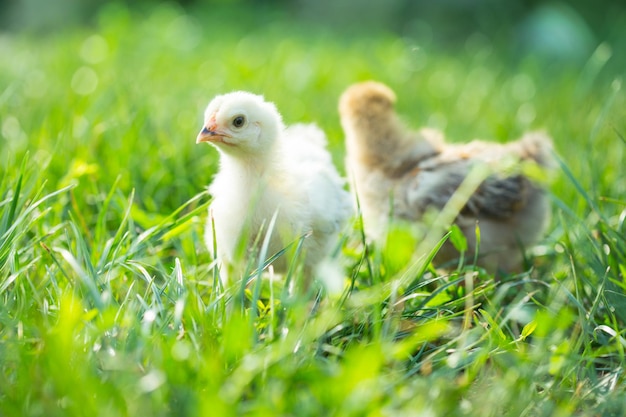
[(499, 197), (496, 197)]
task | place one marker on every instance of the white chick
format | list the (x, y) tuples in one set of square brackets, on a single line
[(399, 173), (267, 169)]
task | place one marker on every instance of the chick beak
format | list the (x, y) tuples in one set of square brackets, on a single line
[(204, 135), (210, 134)]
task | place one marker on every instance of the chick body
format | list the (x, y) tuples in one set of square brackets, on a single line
[(400, 173), (267, 171)]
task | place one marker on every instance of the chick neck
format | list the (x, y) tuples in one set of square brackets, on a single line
[(374, 138), (251, 166), (382, 142)]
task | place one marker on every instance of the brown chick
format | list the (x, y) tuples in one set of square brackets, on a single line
[(402, 174)]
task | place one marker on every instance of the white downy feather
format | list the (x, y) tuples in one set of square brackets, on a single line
[(267, 169)]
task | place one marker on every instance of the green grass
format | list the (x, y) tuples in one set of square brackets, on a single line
[(108, 299)]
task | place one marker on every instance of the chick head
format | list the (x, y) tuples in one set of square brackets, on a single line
[(366, 99), (241, 123)]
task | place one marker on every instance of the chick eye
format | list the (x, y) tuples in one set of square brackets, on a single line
[(239, 121)]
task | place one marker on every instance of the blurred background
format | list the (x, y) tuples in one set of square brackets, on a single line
[(108, 85), (563, 30)]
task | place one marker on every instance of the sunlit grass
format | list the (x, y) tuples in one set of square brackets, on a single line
[(108, 299)]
